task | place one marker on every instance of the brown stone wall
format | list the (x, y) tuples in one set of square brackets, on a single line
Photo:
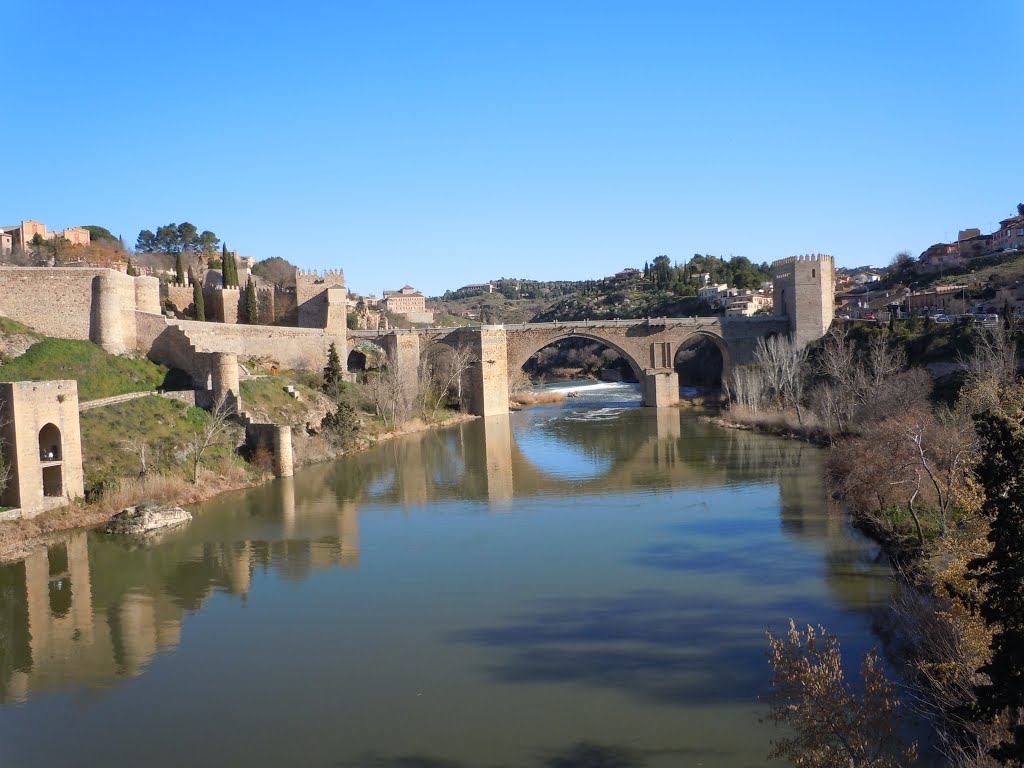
[(300, 348), (61, 301), (180, 298)]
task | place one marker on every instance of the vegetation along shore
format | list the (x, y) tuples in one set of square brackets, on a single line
[(930, 466)]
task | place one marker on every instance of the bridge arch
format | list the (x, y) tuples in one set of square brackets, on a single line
[(699, 341), (523, 355)]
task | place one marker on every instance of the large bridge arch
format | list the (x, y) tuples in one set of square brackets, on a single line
[(695, 339), (524, 351)]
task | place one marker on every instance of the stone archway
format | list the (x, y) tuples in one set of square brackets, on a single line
[(532, 349), (51, 457), (702, 361)]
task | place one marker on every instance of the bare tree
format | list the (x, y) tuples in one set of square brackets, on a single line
[(442, 377), (140, 448), (832, 727), (747, 387), (884, 361), (6, 471), (783, 363), (394, 394), (213, 432)]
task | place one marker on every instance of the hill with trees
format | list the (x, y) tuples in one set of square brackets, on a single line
[(659, 289)]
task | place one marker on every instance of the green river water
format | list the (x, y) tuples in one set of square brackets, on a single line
[(576, 585)]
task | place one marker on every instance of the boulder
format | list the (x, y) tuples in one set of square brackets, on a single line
[(144, 518)]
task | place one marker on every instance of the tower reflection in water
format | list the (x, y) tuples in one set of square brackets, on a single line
[(91, 609)]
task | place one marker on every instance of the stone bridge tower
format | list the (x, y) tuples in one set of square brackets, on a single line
[(804, 292)]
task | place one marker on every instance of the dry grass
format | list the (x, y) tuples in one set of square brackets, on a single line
[(784, 423), (537, 398), (19, 537)]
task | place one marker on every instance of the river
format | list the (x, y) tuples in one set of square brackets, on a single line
[(578, 585)]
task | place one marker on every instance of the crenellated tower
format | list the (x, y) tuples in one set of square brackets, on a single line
[(804, 292)]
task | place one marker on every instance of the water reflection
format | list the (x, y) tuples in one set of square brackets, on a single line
[(649, 571)]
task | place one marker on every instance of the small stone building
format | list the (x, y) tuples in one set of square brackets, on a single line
[(42, 445)]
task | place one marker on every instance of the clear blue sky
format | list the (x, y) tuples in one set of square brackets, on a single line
[(441, 143)]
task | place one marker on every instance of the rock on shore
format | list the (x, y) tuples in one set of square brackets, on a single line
[(144, 518)]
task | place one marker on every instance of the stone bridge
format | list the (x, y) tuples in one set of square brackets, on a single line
[(649, 346), (803, 289)]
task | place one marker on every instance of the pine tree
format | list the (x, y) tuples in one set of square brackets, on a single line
[(332, 372), (1001, 574), (252, 312), (197, 297), (179, 270)]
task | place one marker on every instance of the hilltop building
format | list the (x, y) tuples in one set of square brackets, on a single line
[(747, 303), (1010, 235), (409, 302), (972, 243), (18, 237)]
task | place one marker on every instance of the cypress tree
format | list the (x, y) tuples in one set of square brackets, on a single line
[(252, 312), (197, 297), (332, 372), (230, 271), (1001, 572), (179, 270)]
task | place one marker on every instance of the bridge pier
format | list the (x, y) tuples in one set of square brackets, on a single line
[(489, 375), (404, 353), (659, 387)]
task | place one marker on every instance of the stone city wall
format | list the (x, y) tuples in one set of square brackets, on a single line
[(78, 302), (300, 348), (179, 297)]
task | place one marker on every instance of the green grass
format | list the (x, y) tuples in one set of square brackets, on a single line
[(267, 397), (445, 320), (98, 373), (165, 425), (10, 327)]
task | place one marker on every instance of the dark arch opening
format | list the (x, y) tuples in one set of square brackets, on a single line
[(699, 363), (577, 357), (356, 361), (364, 357), (49, 443)]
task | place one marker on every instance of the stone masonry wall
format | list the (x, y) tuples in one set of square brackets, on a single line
[(60, 301)]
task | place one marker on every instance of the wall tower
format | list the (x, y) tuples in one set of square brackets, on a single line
[(804, 292)]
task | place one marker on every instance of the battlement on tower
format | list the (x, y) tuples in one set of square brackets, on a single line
[(312, 276)]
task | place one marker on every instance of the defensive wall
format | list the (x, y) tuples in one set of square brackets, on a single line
[(122, 314), (227, 305), (321, 300), (94, 304)]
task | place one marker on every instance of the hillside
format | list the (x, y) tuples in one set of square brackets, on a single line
[(99, 374), (660, 289)]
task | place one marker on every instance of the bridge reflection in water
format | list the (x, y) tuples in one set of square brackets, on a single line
[(91, 609)]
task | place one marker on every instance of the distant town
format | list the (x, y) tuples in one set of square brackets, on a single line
[(978, 273)]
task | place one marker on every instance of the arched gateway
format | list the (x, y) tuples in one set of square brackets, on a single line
[(803, 284)]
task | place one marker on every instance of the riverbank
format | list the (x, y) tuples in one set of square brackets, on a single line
[(778, 423), (18, 538)]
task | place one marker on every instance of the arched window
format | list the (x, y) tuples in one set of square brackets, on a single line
[(49, 443)]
